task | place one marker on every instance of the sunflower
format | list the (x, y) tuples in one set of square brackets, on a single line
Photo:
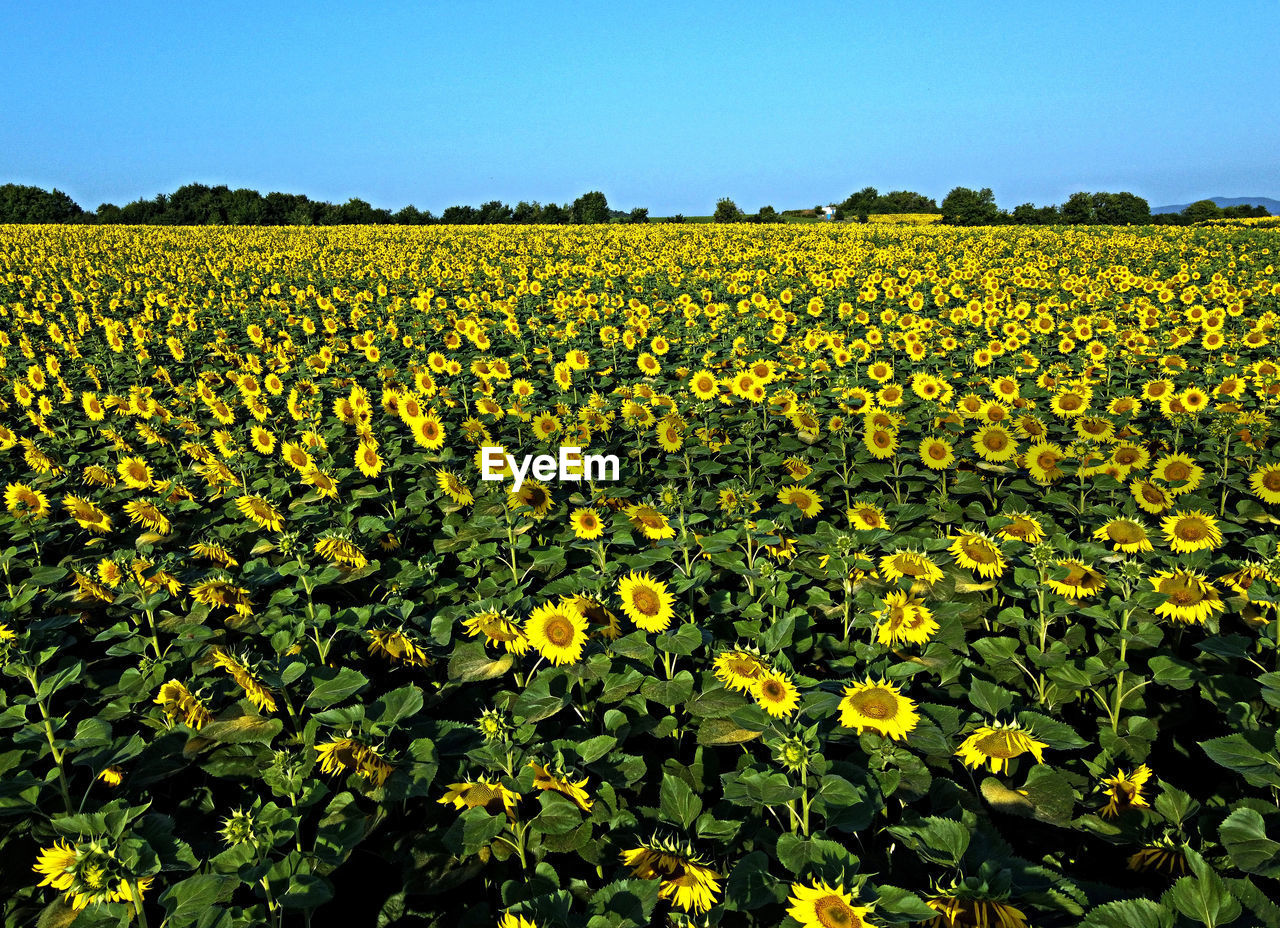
[(997, 745), (739, 669), (341, 551), (807, 501), (651, 523), (683, 878), (1184, 474), (144, 512), (867, 516), (879, 706), (489, 795), (323, 484), (776, 694), (1158, 857), (937, 453), (1150, 496), (135, 473), (1124, 791), (260, 512), (881, 442), (1126, 535), (296, 456), (449, 484), (646, 602), (600, 619), (912, 565), (586, 524), (1043, 459), (1265, 484), (347, 755), (955, 911), (821, 906), (368, 461), (1081, 580), (428, 431), (1189, 598), (25, 503), (258, 694), (977, 552), (497, 630), (395, 645), (575, 790), (1022, 526), (89, 873), (704, 385), (532, 495), (180, 705), (558, 631), (994, 443), (87, 515), (904, 618), (1191, 531)]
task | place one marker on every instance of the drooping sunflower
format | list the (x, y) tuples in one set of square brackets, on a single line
[(807, 501), (348, 755), (1124, 791), (1081, 580), (1191, 531), (89, 873), (879, 706), (497, 630), (558, 631), (651, 523), (977, 552), (683, 878), (145, 513), (1189, 597), (819, 905), (180, 705), (966, 911), (776, 693), (912, 565), (341, 551), (904, 618), (558, 782), (997, 745), (451, 486), (395, 645), (87, 515), (257, 692), (1126, 535), (739, 669), (646, 602), (489, 795), (260, 512)]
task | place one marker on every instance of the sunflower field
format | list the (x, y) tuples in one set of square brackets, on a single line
[(938, 584)]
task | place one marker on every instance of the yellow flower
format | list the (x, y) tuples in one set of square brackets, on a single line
[(490, 795), (344, 755), (395, 645), (819, 905), (1125, 535), (739, 670), (26, 503), (1265, 484), (646, 602), (586, 524), (1124, 791), (558, 631), (651, 523), (341, 551), (260, 512), (997, 746), (498, 630), (977, 552), (880, 707), (1189, 598), (776, 694), (807, 501), (179, 704), (1191, 531), (452, 487), (683, 878), (258, 694), (572, 789), (904, 618), (1081, 581)]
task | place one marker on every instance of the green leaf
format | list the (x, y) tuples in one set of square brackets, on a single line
[(1236, 752), (1057, 735), (470, 663), (723, 731), (939, 840), (397, 705), (1129, 913), (1203, 897), (799, 854), (306, 891), (988, 698), (679, 803), (560, 815), (750, 885), (247, 729), (186, 901), (683, 641), (1244, 835), (716, 703), (336, 688), (541, 699)]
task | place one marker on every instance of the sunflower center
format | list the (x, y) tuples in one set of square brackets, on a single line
[(978, 552), (1125, 533), (1177, 471), (1191, 530), (832, 912), (773, 690), (1271, 480), (999, 744), (559, 631), (937, 452), (645, 600), (875, 704)]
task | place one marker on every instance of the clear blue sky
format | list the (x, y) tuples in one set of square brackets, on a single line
[(664, 106)]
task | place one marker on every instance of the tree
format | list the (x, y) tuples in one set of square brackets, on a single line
[(862, 203), (904, 201), (1120, 209), (638, 215), (526, 212), (678, 217), (726, 211), (966, 207), (768, 214), (590, 208), (459, 215), (556, 215), (494, 212), (1201, 210), (20, 203), (1078, 210)]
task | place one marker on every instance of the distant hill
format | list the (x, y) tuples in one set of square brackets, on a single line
[(1273, 206)]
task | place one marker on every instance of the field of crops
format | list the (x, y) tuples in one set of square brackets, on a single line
[(938, 584)]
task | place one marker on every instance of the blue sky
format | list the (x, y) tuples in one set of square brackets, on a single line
[(664, 106)]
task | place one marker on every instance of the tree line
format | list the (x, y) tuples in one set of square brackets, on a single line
[(201, 205), (198, 204)]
